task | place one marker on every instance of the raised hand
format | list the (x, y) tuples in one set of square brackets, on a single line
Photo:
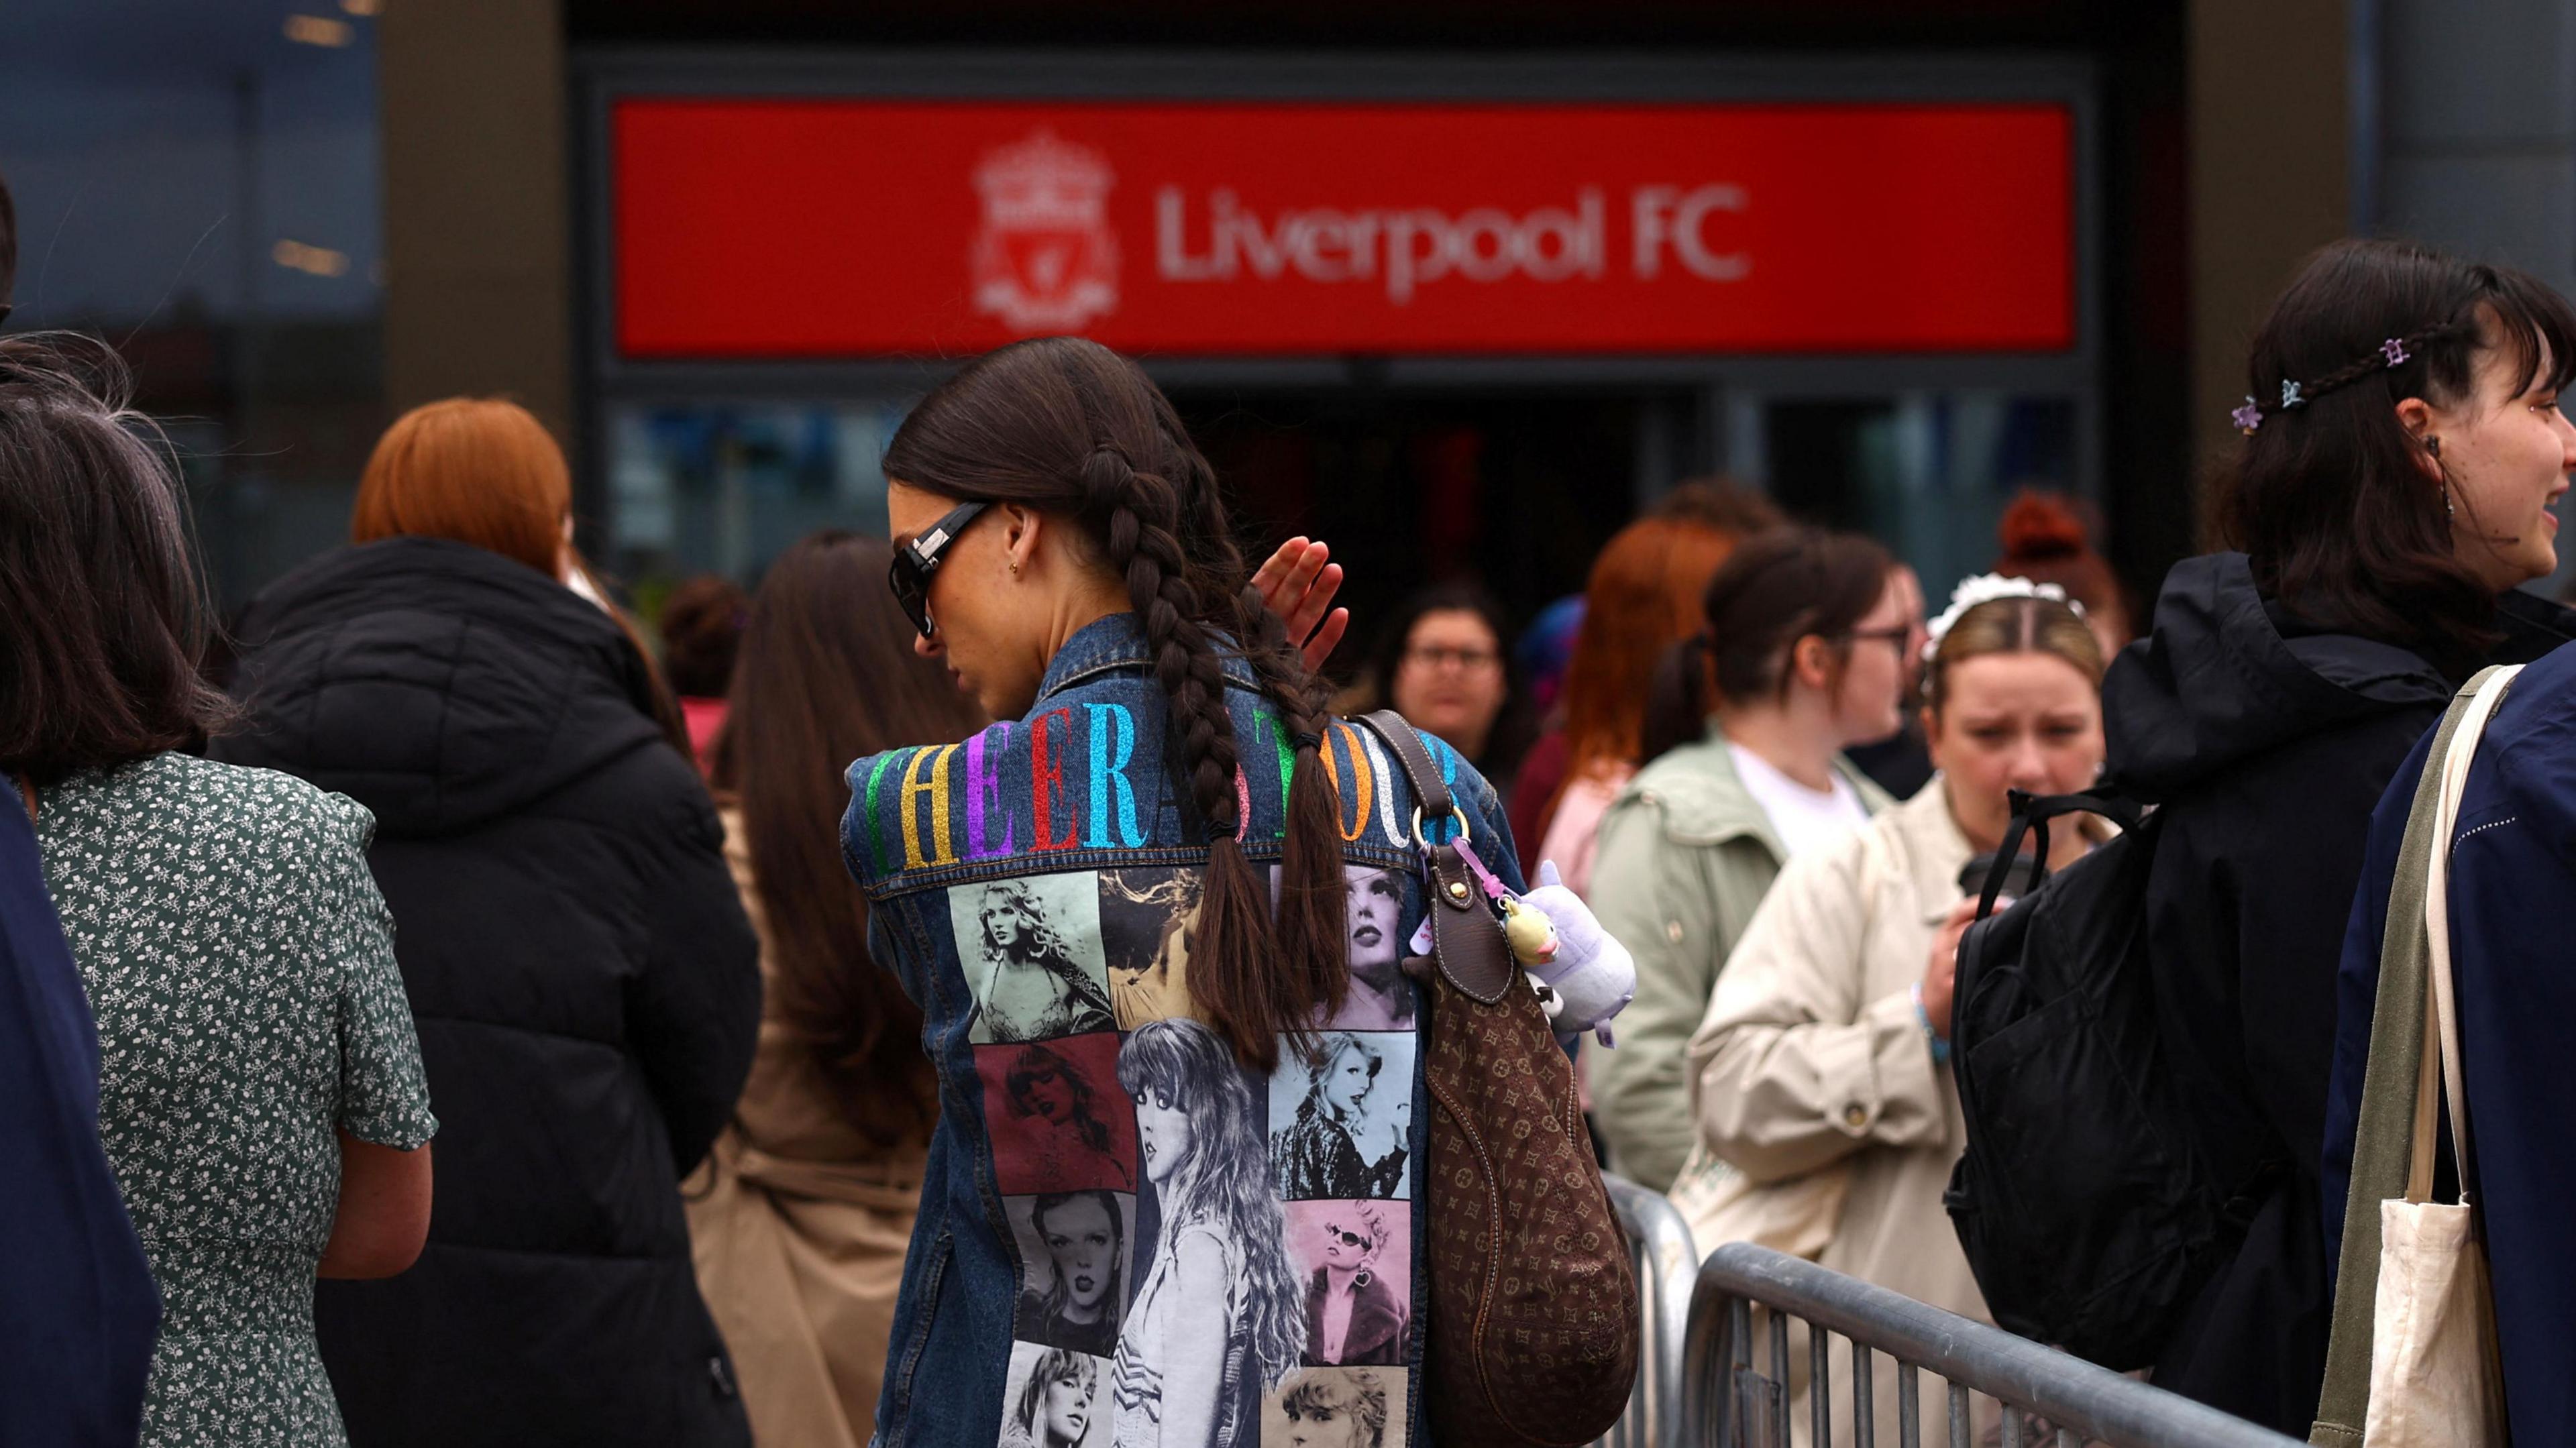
[(1297, 584)]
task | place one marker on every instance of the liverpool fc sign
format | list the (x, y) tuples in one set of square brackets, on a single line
[(1045, 259)]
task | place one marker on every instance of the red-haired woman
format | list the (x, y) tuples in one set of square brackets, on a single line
[(1643, 598), (585, 985)]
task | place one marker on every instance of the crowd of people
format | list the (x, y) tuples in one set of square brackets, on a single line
[(972, 1012)]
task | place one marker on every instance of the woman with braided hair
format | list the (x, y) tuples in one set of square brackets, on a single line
[(1062, 548)]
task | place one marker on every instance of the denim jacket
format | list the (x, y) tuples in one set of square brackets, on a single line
[(1125, 1238)]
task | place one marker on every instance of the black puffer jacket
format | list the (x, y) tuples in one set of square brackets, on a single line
[(2267, 743), (585, 983)]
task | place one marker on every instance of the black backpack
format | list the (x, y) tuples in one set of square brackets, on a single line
[(2086, 1210)]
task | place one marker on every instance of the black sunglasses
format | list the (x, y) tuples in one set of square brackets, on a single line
[(915, 561)]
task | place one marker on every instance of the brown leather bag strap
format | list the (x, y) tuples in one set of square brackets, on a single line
[(1429, 790), (1466, 940)]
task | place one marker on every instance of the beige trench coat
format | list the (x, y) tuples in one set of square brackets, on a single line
[(1811, 1059), (1684, 857), (799, 1226)]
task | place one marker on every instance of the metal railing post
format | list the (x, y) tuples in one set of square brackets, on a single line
[(2078, 1401), (1667, 1266)]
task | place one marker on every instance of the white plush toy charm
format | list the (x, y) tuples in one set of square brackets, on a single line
[(1589, 973)]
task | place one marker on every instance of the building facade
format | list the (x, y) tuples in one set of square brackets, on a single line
[(1456, 287)]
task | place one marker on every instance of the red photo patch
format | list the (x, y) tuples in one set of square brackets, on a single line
[(1058, 1119)]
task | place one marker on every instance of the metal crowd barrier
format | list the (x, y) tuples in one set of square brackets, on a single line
[(1735, 1405), (1659, 1247)]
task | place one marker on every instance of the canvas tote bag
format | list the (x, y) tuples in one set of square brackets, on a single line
[(2420, 1367)]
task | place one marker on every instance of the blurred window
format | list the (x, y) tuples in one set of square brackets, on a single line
[(723, 487), (1929, 473), (201, 185)]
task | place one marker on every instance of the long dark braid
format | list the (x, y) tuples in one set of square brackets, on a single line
[(1309, 915), (1068, 427)]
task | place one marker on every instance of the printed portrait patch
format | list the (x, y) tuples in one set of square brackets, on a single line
[(1381, 999), (1058, 1118), (1373, 919), (1204, 1255), (1146, 920), (1076, 1266), (1030, 946), (1336, 1408), (1217, 1318), (1341, 1124), (1356, 1260), (1055, 1398)]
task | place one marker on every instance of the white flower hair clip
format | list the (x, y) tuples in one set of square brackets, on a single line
[(1986, 588)]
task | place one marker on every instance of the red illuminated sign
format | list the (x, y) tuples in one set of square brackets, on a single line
[(798, 228)]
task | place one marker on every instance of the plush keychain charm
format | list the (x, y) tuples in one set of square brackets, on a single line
[(1583, 976), (1531, 933), (1591, 974)]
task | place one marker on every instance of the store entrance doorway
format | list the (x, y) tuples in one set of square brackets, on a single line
[(1515, 491)]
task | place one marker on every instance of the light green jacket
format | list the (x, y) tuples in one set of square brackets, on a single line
[(1685, 857)]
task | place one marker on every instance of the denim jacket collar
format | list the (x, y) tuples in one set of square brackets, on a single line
[(1112, 644)]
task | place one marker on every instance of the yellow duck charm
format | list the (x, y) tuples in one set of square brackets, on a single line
[(1531, 933)]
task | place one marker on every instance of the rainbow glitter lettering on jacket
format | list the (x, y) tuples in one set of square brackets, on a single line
[(1363, 780), (984, 783), (876, 841), (1046, 780), (1109, 760), (937, 788), (1275, 735)]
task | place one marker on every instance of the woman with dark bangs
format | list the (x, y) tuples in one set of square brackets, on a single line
[(1085, 1241), (1443, 660), (2403, 447), (2511, 988)]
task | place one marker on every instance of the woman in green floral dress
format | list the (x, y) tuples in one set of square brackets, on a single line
[(260, 1096)]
